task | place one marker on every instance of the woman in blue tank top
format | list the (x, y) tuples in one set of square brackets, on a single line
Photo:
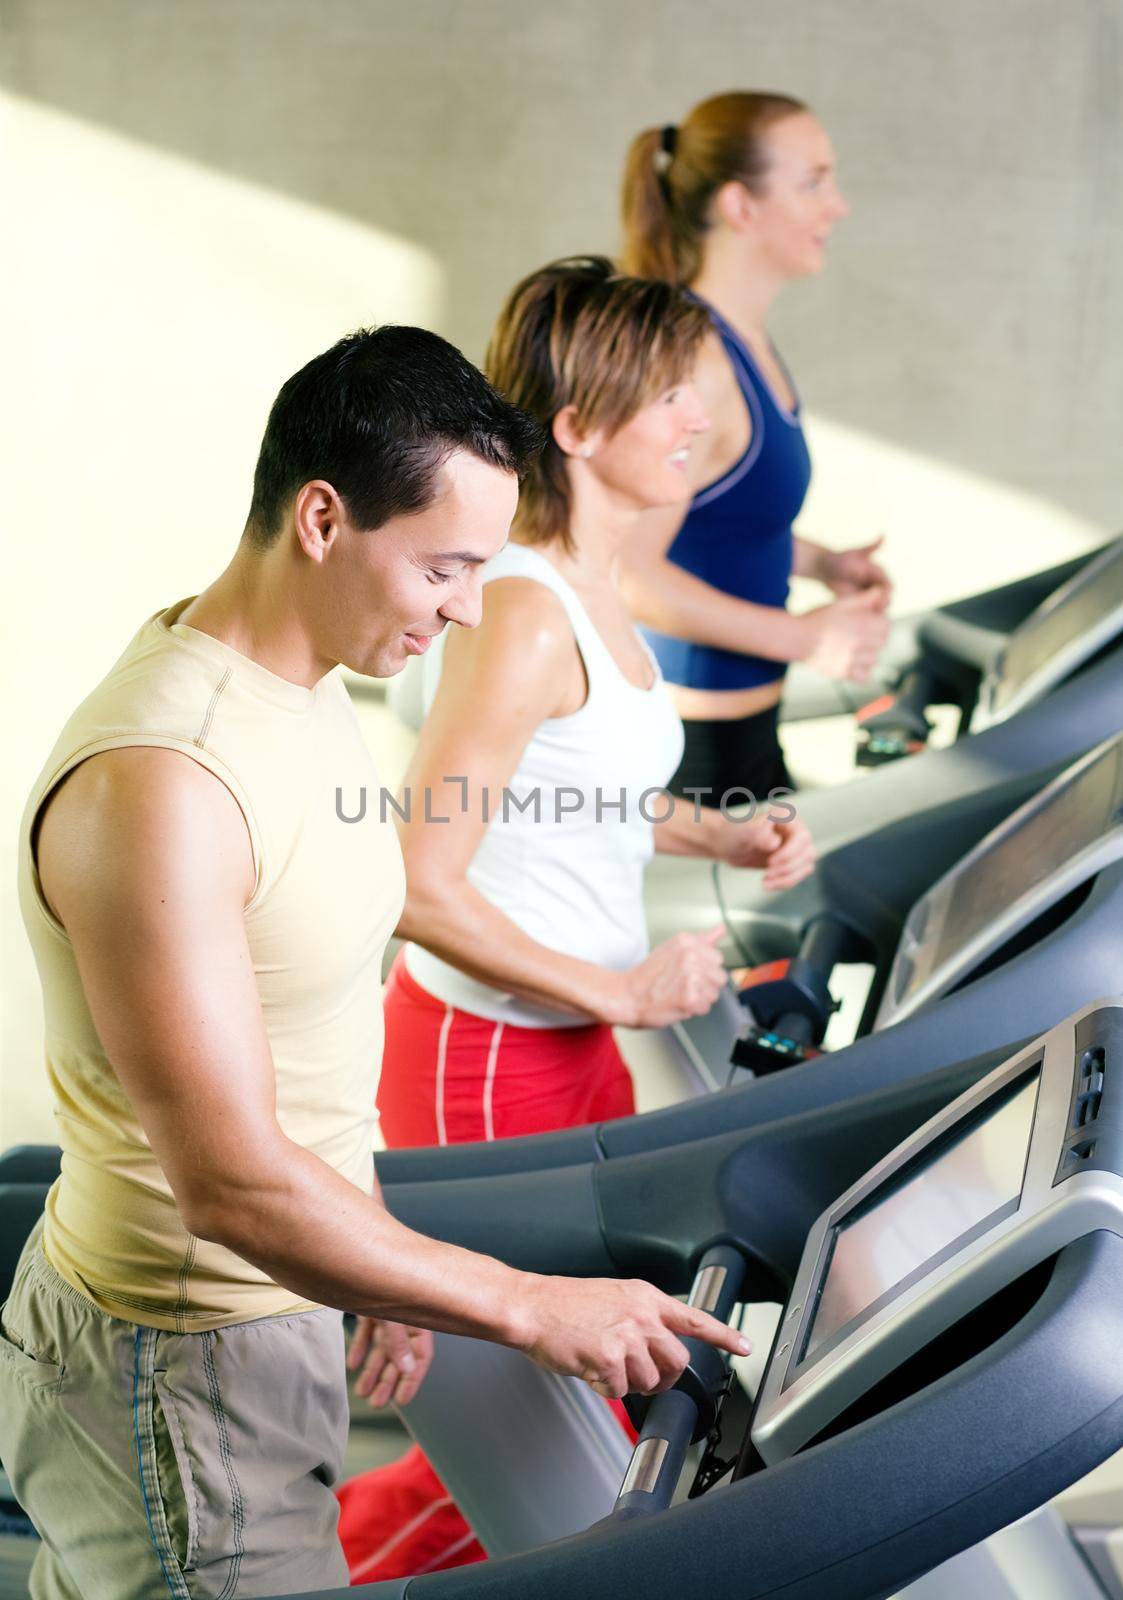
[(734, 204)]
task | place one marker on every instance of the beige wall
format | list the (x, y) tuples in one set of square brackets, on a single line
[(198, 196), (974, 300)]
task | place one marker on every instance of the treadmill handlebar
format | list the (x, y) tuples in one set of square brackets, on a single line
[(681, 1416), (875, 1510), (917, 689), (897, 726), (799, 1004), (826, 940)]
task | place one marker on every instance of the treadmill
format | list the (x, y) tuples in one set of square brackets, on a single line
[(945, 1364), (966, 657), (969, 943), (656, 1196), (972, 626), (978, 780), (1038, 860)]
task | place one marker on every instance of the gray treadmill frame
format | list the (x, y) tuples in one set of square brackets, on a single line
[(998, 698), (923, 928), (799, 1398)]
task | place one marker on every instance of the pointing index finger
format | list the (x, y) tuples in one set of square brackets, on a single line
[(701, 1325)]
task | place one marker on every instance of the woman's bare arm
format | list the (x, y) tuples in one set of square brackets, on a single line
[(499, 682)]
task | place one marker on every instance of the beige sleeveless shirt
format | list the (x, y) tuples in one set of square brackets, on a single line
[(327, 896)]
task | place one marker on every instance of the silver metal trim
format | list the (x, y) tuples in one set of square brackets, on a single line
[(645, 1466), (926, 981), (706, 1290), (797, 1404), (997, 700), (1101, 1549)]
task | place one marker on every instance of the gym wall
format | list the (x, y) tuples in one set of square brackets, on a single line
[(198, 197)]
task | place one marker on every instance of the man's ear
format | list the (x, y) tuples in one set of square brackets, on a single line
[(317, 516), (569, 438), (735, 206)]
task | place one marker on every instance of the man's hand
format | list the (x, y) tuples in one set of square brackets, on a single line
[(785, 850), (391, 1360), (851, 571), (622, 1336)]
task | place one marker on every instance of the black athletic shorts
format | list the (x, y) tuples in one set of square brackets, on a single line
[(738, 754)]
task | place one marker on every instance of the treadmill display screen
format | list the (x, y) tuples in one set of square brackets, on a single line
[(1068, 823), (920, 1213), (1044, 634)]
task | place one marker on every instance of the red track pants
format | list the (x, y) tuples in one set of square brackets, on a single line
[(449, 1077)]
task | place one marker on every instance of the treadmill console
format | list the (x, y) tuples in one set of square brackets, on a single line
[(1027, 1161), (1062, 634), (1065, 834)]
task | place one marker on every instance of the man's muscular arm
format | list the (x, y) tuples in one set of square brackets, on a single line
[(145, 859)]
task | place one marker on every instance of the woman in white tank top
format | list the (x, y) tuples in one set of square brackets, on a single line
[(541, 764), (547, 746)]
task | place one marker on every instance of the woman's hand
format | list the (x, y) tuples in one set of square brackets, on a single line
[(785, 850), (845, 638), (391, 1360), (852, 571), (682, 977)]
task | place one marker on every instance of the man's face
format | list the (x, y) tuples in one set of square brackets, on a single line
[(393, 588)]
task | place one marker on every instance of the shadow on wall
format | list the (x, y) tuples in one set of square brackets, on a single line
[(151, 314), (150, 327), (973, 301)]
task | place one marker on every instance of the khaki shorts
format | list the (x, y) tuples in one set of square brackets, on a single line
[(194, 1465)]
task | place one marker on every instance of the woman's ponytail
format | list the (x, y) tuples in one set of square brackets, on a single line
[(648, 249)]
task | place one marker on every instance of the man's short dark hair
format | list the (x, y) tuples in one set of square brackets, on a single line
[(377, 416)]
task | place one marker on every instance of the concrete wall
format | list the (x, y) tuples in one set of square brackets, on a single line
[(199, 196), (974, 301)]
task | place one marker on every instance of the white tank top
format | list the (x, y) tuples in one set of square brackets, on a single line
[(568, 869)]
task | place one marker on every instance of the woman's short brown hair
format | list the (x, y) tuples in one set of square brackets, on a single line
[(578, 333)]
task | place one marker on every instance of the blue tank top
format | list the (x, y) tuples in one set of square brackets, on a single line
[(737, 534)]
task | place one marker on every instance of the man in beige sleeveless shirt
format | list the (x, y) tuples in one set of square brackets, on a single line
[(209, 933)]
